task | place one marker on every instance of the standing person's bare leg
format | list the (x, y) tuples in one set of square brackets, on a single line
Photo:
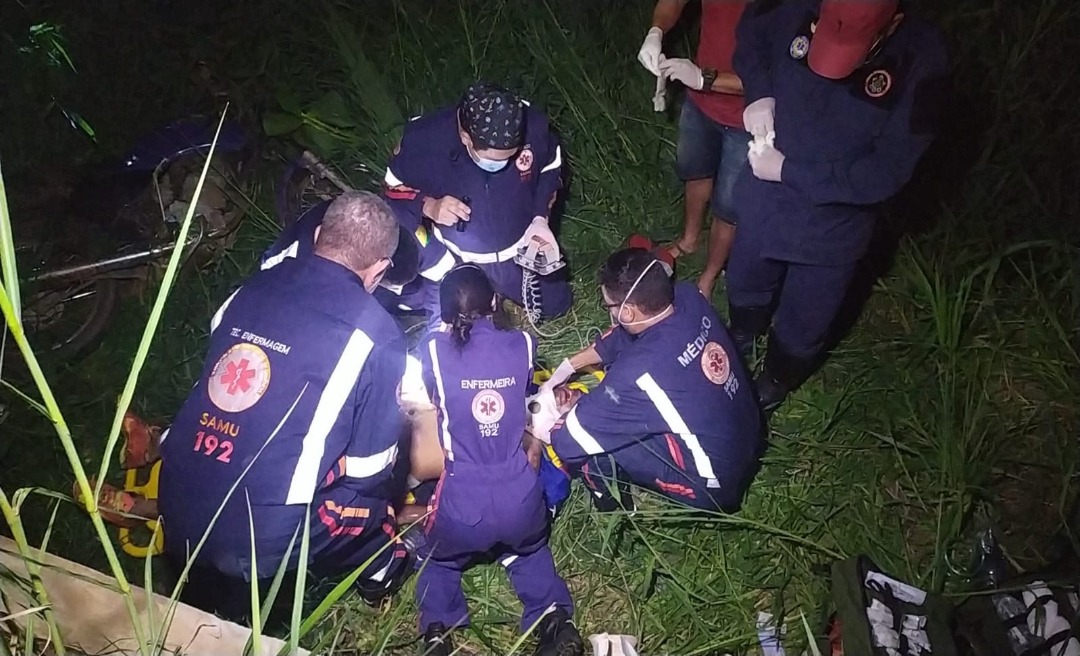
[(697, 193), (721, 237)]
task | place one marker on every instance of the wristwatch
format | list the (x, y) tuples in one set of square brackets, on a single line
[(708, 76)]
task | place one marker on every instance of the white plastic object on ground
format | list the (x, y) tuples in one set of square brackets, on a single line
[(611, 644), (769, 636)]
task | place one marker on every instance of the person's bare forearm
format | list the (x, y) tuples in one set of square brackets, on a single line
[(585, 358), (666, 14), (728, 83)]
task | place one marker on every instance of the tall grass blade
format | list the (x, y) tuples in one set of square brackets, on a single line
[(301, 585), (256, 611), (18, 534), (8, 266)]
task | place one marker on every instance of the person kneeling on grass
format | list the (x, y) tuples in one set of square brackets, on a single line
[(675, 412), (294, 419), (489, 503)]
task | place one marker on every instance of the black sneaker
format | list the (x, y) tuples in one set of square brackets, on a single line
[(771, 392), (437, 641), (557, 636), (374, 592), (605, 502)]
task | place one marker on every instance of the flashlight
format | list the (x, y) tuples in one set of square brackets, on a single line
[(460, 225)]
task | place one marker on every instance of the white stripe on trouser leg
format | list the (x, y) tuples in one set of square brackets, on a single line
[(555, 163), (439, 270), (509, 560), (340, 384), (584, 439), (434, 351), (676, 424), (368, 466), (392, 180), (216, 321), (380, 575)]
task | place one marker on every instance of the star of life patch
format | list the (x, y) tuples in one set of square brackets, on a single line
[(239, 378), (488, 407), (715, 363)]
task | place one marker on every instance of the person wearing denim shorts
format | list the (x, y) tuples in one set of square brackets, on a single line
[(712, 142)]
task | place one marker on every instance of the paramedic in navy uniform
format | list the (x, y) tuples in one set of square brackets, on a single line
[(674, 411), (851, 90), (485, 173), (296, 409), (404, 288)]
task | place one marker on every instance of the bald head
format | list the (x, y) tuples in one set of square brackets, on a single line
[(358, 231)]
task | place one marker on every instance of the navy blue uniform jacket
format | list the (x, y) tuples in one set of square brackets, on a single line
[(849, 144)]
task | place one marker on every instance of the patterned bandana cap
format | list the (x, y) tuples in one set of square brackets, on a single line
[(492, 116)]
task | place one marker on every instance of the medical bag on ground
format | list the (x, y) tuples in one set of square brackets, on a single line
[(1034, 615), (878, 615)]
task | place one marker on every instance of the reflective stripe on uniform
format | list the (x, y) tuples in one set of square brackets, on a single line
[(392, 180), (442, 399), (216, 320), (338, 387), (505, 255), (678, 426), (555, 163), (367, 466), (529, 349), (584, 439), (275, 260), (439, 270)]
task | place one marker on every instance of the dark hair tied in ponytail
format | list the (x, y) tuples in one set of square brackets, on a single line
[(460, 328), (465, 295)]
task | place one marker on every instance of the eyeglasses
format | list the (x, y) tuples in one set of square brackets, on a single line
[(604, 305)]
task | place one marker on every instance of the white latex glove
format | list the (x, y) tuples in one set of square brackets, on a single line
[(561, 375), (684, 71), (758, 117), (649, 55), (610, 644), (659, 99), (544, 415), (766, 163), (540, 230)]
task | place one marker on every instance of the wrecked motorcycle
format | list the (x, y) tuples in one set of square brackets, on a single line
[(118, 223)]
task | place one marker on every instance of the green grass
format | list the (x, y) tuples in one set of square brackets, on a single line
[(953, 403)]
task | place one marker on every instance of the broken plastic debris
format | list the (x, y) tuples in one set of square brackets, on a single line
[(613, 644)]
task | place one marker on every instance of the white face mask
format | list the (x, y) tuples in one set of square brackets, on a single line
[(617, 318), (489, 165)]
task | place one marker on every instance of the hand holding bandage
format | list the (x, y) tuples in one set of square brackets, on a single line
[(766, 162)]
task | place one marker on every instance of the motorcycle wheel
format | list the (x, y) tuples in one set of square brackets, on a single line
[(300, 192), (68, 319)]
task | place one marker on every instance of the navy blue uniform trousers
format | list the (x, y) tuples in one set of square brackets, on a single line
[(488, 512)]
